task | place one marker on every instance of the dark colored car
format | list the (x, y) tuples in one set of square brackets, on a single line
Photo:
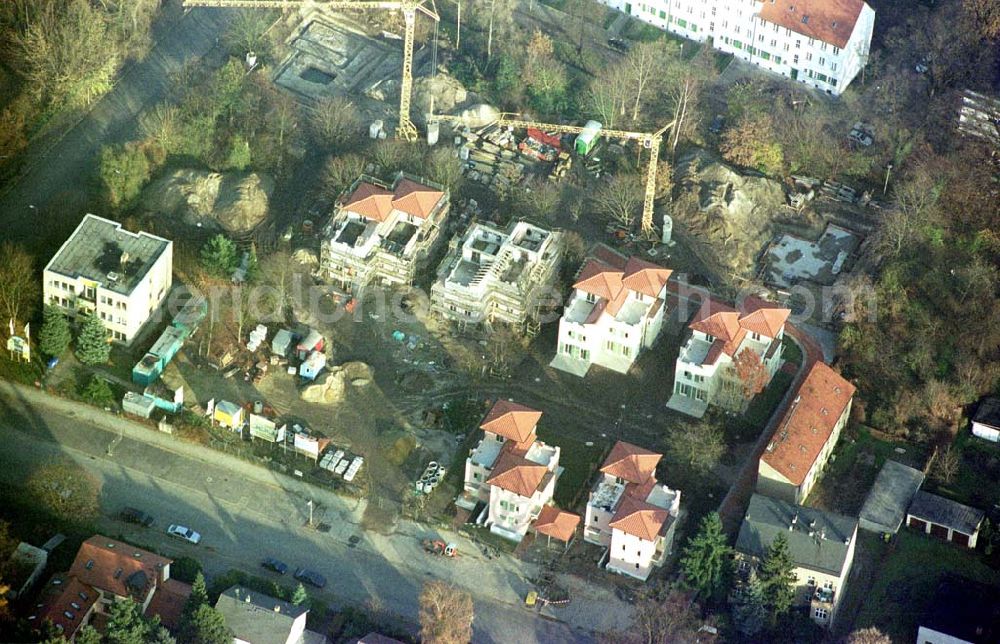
[(618, 44), (274, 565), (132, 515), (310, 577)]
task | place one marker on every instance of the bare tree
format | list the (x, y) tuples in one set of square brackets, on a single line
[(606, 96), (162, 126), (643, 68), (445, 614), (673, 618), (340, 172), (620, 198), (492, 15), (336, 122), (697, 445), (19, 288)]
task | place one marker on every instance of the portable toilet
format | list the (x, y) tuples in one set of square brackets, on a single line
[(585, 140), (312, 365), (228, 414)]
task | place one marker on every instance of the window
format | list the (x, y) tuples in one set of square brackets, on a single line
[(755, 336), (774, 43), (822, 61), (833, 67), (475, 476), (810, 581), (744, 565), (828, 585), (699, 378), (681, 22), (795, 59), (595, 518), (663, 15), (812, 42), (809, 55), (760, 38), (836, 50), (820, 613), (821, 77), (798, 44)]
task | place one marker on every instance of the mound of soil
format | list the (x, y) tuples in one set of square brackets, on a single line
[(236, 203)]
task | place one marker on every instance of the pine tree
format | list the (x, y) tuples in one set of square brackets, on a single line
[(300, 596), (706, 558), (88, 635), (206, 626), (55, 336), (92, 347), (219, 256), (777, 578), (126, 624), (750, 609)]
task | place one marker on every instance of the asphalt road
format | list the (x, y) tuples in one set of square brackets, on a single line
[(244, 517)]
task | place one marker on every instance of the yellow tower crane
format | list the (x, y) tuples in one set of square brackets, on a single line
[(650, 141), (406, 129)]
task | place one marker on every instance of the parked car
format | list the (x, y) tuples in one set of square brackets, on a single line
[(618, 44), (310, 577), (718, 123), (181, 532), (132, 515), (274, 565), (862, 134)]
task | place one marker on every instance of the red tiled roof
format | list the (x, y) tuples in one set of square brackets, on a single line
[(108, 565), (370, 201), (556, 523), (645, 277), (639, 519), (763, 317), (600, 279), (415, 198), (511, 420), (65, 602), (630, 462), (830, 21), (168, 602), (808, 423), (514, 473)]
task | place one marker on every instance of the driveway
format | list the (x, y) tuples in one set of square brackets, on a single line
[(54, 190), (246, 513)]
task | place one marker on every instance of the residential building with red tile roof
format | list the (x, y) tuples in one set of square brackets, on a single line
[(806, 435), (616, 311), (630, 513), (494, 275), (382, 233), (104, 571), (706, 374), (510, 474), (553, 523), (820, 43)]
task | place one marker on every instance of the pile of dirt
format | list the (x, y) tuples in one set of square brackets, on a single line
[(727, 217), (306, 257), (236, 203), (446, 92), (332, 387)]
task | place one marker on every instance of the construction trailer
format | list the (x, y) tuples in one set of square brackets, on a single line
[(147, 370), (587, 139), (313, 341), (312, 365), (138, 404), (228, 414), (282, 342)]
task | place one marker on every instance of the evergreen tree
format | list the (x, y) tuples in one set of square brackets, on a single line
[(777, 578), (300, 596), (705, 562), (92, 347), (750, 609), (98, 392), (219, 256), (206, 626), (126, 625), (199, 593), (55, 336)]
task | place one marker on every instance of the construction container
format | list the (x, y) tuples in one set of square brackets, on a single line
[(586, 140), (433, 132), (228, 414), (168, 344), (375, 129), (312, 342), (282, 342), (312, 365), (146, 371), (138, 404), (191, 314)]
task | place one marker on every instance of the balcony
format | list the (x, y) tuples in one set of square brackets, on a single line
[(823, 597)]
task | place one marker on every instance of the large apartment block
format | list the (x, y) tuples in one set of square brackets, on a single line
[(821, 43), (496, 275), (630, 513), (616, 311), (705, 373), (105, 271), (382, 233), (510, 471)]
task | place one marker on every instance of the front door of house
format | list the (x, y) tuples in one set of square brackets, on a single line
[(628, 8), (795, 74)]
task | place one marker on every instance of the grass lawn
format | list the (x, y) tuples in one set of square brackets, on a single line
[(907, 579), (579, 462), (851, 471), (740, 429), (790, 351)]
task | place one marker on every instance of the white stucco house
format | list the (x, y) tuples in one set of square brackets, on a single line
[(630, 513), (510, 470), (382, 233), (820, 43), (117, 276), (616, 311), (705, 373)]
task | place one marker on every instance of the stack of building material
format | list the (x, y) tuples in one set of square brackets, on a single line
[(353, 468), (257, 336)]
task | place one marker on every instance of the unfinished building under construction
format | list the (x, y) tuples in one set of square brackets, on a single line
[(492, 275)]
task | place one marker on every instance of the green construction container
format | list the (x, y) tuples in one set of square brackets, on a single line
[(586, 140)]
